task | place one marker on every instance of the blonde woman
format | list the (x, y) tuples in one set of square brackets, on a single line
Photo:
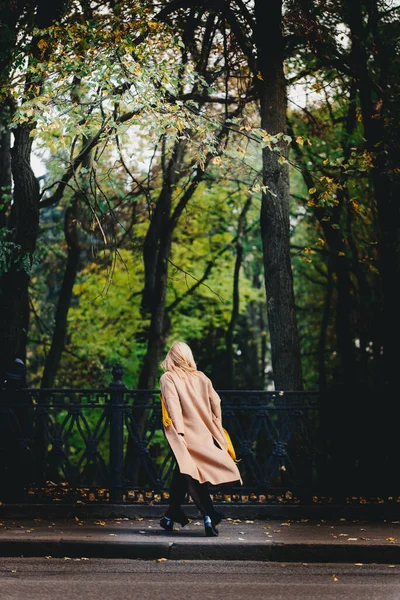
[(193, 428)]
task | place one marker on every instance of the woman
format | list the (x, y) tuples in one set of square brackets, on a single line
[(193, 429)]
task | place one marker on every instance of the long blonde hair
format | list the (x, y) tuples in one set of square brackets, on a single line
[(179, 359)]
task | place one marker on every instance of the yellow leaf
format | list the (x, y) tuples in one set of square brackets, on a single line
[(390, 539), (335, 578), (321, 241), (42, 44), (312, 190), (259, 76), (300, 140)]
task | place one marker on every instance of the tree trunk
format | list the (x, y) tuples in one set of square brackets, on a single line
[(274, 219), (5, 173), (159, 328), (373, 106), (235, 295), (64, 300), (25, 218)]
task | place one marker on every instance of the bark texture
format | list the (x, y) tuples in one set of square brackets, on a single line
[(275, 227)]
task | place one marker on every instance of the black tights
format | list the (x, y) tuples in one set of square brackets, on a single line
[(184, 484)]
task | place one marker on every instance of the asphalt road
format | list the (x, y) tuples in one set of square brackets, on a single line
[(109, 579)]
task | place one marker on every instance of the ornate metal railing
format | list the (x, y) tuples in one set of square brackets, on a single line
[(108, 445)]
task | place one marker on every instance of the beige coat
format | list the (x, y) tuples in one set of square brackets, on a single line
[(195, 409)]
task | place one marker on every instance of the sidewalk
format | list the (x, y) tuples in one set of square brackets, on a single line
[(302, 540)]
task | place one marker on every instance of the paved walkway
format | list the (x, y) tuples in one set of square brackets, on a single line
[(302, 540)]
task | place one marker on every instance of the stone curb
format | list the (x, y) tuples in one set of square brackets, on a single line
[(207, 550), (376, 512)]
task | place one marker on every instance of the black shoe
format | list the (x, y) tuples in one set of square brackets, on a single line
[(209, 527), (167, 523)]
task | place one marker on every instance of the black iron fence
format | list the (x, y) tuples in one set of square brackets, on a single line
[(80, 445)]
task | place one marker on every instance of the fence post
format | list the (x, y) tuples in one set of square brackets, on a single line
[(117, 388)]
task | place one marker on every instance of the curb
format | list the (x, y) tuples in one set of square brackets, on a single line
[(372, 512), (273, 552)]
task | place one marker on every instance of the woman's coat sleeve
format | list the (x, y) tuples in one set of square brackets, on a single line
[(172, 402), (215, 401)]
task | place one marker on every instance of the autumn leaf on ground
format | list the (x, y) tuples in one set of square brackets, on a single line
[(100, 523), (390, 539), (335, 578), (161, 559)]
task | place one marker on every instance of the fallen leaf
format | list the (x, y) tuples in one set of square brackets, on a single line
[(390, 539), (352, 539), (358, 564), (335, 578), (161, 559), (249, 521), (286, 524), (100, 523), (113, 534), (48, 557), (84, 558)]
